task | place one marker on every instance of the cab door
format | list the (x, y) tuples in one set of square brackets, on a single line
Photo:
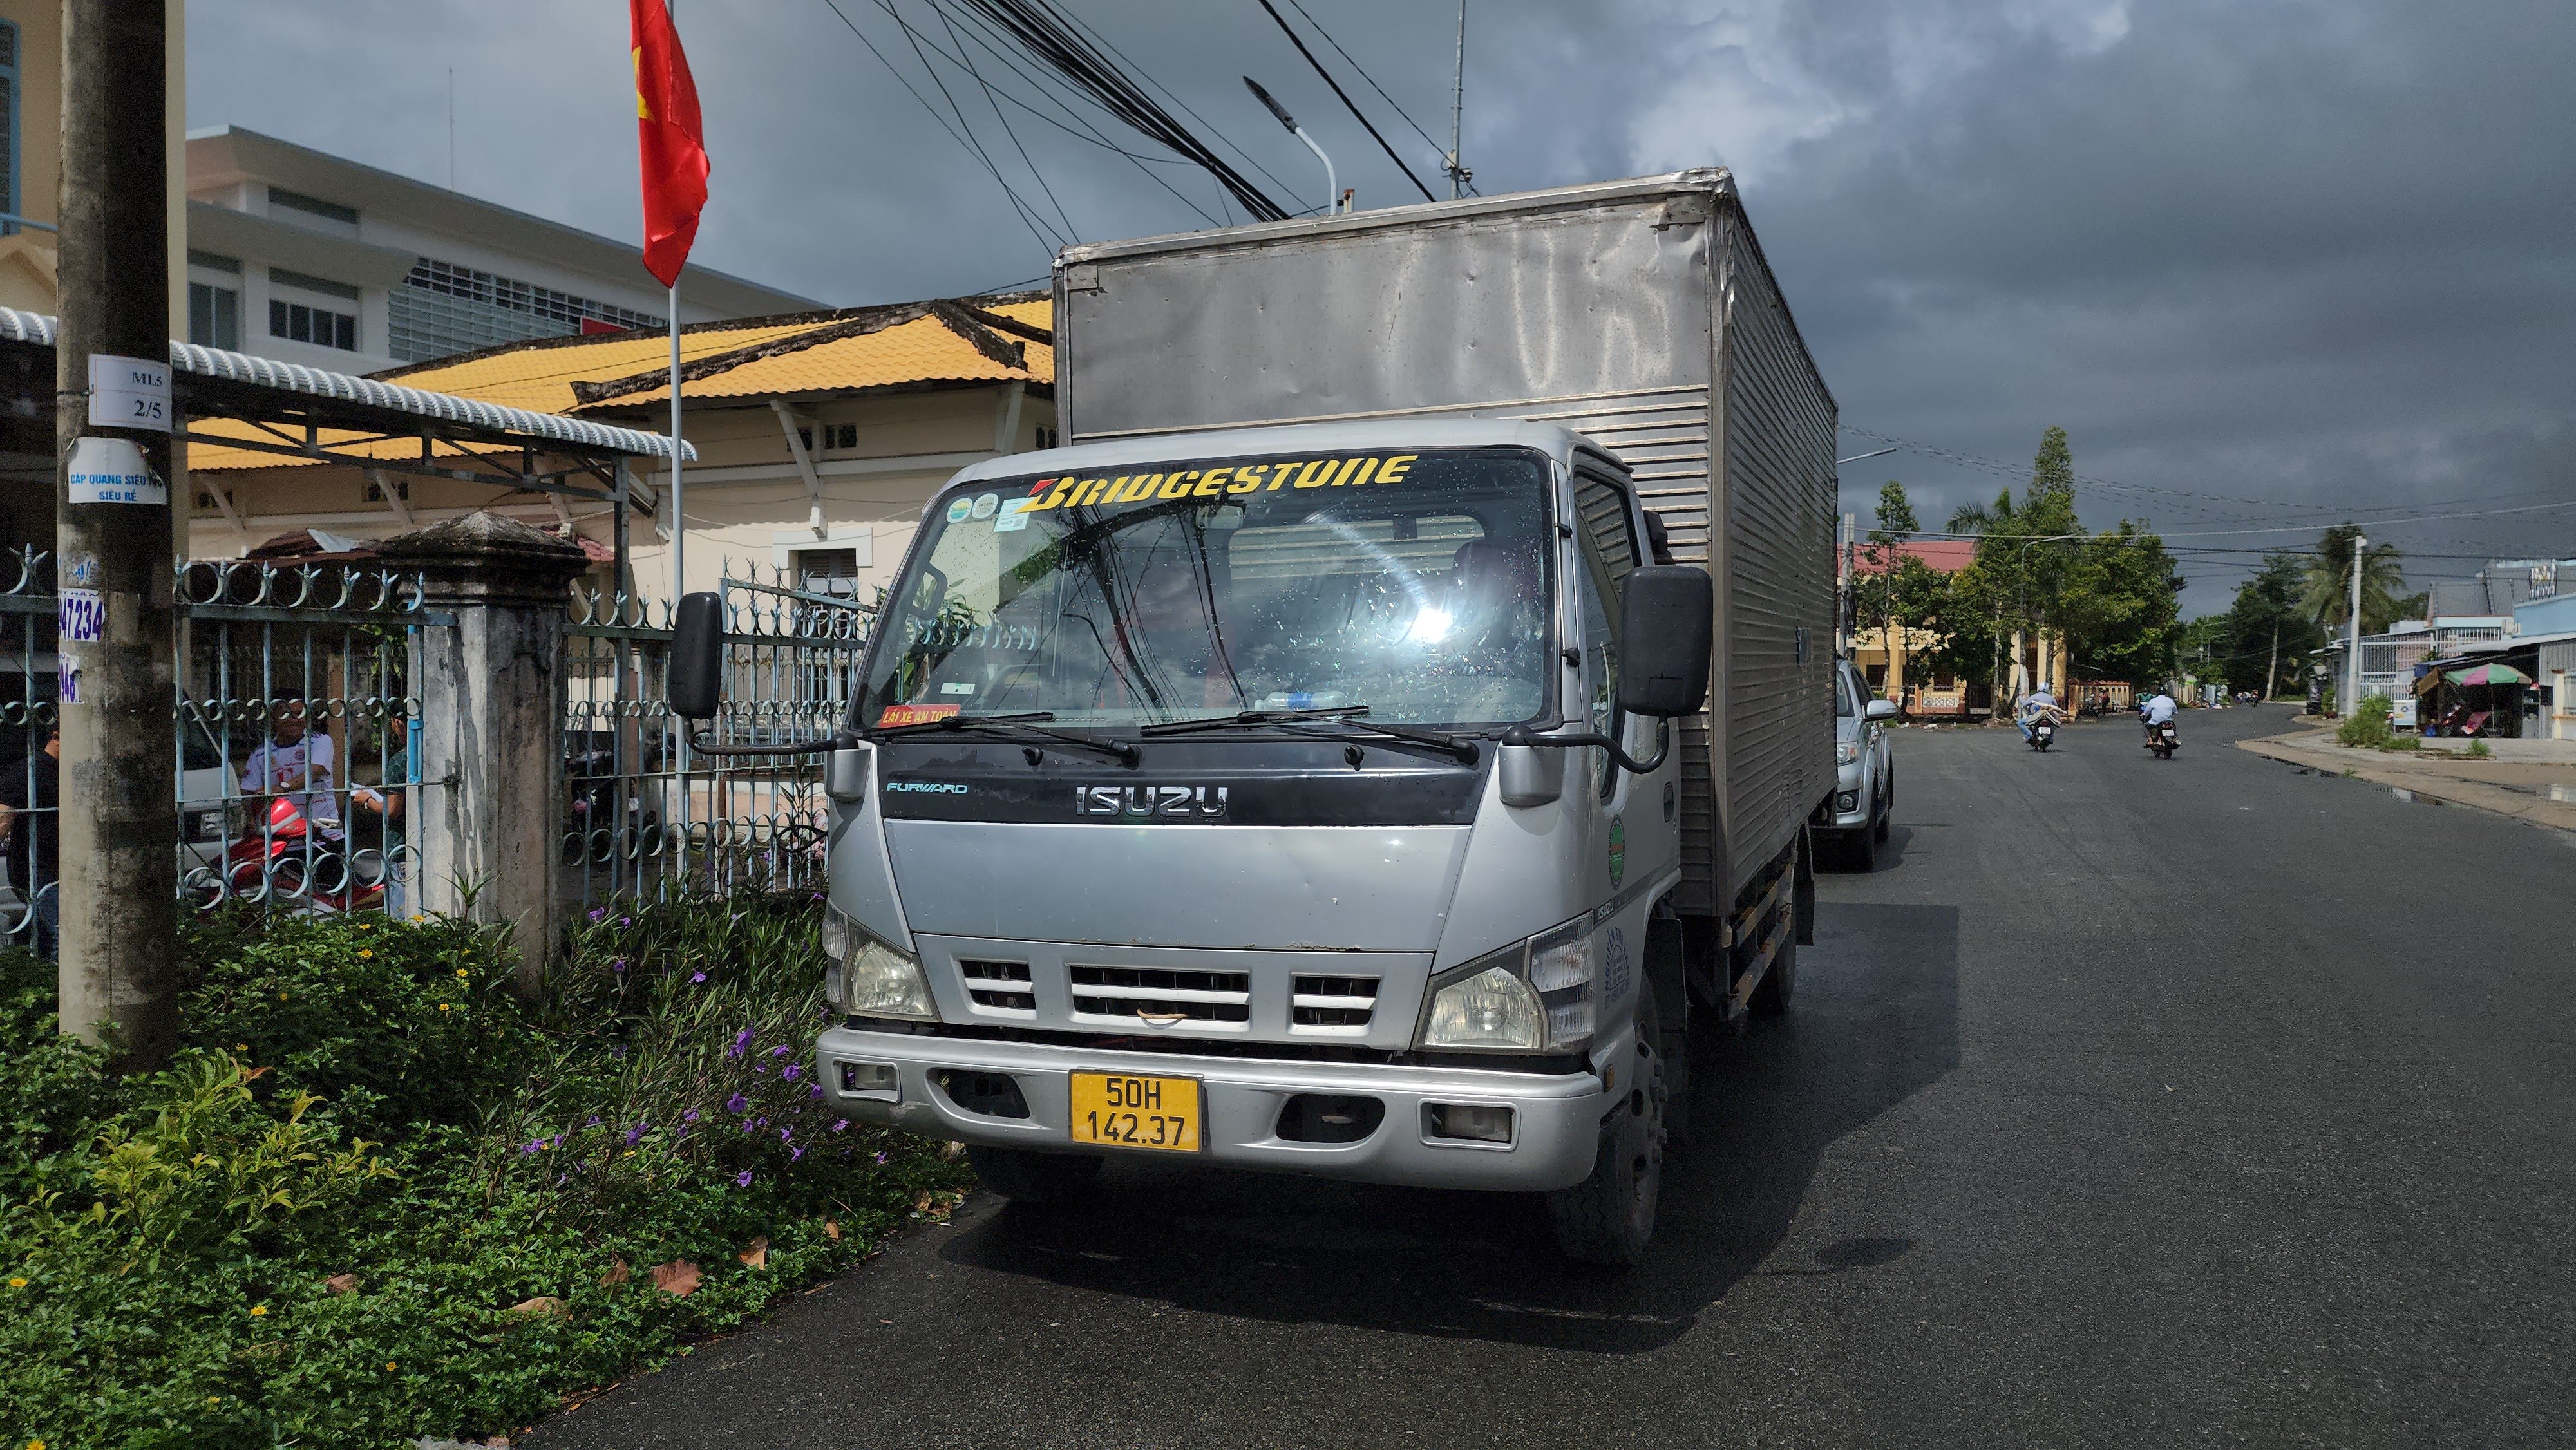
[(1634, 819)]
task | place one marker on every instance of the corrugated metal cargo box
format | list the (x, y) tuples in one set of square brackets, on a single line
[(1639, 313)]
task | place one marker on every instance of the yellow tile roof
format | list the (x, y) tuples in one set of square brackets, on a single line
[(923, 350), (855, 351)]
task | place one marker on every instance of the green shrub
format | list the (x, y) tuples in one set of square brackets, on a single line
[(213, 1256), (2402, 742), (2367, 725), (2478, 750)]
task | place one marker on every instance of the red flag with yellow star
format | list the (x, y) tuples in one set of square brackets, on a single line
[(669, 139)]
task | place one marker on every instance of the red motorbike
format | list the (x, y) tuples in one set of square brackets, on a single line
[(292, 862)]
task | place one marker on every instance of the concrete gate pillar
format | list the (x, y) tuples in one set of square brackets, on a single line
[(492, 699)]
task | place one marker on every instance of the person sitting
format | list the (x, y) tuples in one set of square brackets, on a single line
[(2038, 705), (2158, 710)]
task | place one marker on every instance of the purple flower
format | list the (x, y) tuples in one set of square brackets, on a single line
[(783, 1134), (698, 977), (791, 1072), (842, 1126), (880, 1158), (742, 1179), (636, 1134), (624, 921), (741, 1043), (760, 1122), (618, 1051), (690, 1116), (597, 912), (815, 1091), (594, 1121), (618, 965), (777, 1051), (532, 1145), (795, 1154), (762, 1070), (737, 1105)]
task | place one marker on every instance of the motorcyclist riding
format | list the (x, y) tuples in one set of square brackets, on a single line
[(2038, 705), (2157, 710)]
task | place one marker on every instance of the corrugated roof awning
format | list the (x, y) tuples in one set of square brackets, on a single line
[(296, 413)]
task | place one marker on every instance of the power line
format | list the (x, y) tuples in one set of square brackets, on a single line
[(1028, 213), (1426, 136), (1174, 97), (1014, 136), (1347, 102)]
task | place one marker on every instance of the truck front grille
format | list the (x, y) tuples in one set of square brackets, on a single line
[(1160, 996), (1004, 985), (1333, 1004)]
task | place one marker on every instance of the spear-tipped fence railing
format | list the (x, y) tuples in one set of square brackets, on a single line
[(295, 734), (648, 816)]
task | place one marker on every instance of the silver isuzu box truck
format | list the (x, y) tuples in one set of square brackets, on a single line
[(1382, 735)]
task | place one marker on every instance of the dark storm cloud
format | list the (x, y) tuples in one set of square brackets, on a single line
[(2313, 254)]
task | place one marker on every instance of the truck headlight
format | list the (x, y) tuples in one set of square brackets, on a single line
[(836, 935), (1535, 995), (1846, 751), (879, 981)]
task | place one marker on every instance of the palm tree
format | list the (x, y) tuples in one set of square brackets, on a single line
[(2327, 596)]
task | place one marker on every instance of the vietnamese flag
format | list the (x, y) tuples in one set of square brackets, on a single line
[(669, 139)]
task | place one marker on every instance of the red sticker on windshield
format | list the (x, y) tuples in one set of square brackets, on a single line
[(915, 714)]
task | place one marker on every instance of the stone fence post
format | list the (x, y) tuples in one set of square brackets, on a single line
[(492, 699)]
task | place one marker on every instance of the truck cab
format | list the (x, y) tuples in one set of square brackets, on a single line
[(1297, 798)]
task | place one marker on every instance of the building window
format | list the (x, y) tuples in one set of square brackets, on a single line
[(9, 120), (316, 325), (1046, 437), (443, 309), (214, 316), (828, 571), (330, 216)]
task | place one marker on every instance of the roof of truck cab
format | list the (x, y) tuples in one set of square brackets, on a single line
[(1379, 436)]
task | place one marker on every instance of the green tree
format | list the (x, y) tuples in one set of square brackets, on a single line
[(2268, 632), (2327, 595), (1898, 592), (2120, 605)]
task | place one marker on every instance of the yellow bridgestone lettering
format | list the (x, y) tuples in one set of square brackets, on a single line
[(1396, 468), (1063, 489), (1368, 467), (1343, 476), (1178, 485), (1279, 473), (1209, 487), (1318, 473), (1092, 488), (1218, 476)]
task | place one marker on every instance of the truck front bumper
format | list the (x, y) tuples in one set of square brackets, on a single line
[(1555, 1119)]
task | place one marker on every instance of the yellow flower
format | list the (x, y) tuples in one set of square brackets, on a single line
[(364, 953), (420, 918), (17, 1283), (241, 1047), (259, 1311), (389, 1364), (442, 1006), (214, 1399), (35, 1445), (363, 926), (461, 974)]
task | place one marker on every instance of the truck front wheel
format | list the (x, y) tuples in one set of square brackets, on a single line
[(1608, 1217), (1025, 1177)]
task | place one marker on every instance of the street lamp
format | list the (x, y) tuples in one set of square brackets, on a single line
[(1332, 186)]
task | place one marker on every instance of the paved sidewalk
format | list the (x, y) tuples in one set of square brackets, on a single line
[(2541, 792)]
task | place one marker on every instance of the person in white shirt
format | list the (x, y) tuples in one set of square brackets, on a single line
[(2158, 710), (296, 763)]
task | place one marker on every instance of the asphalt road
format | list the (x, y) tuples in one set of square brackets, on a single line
[(2127, 1103)]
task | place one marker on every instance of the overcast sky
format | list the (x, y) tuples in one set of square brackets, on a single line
[(2261, 260)]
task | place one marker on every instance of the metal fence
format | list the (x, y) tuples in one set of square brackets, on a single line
[(646, 814), (295, 736)]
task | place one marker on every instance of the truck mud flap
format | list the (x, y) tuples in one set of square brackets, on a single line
[(1806, 898)]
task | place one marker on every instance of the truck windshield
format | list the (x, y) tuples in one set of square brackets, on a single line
[(1416, 584)]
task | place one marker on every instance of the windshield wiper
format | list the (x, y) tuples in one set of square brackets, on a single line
[(1461, 748), (1023, 722)]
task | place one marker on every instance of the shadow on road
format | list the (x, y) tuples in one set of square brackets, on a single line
[(1874, 1023)]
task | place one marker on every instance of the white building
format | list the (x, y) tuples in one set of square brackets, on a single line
[(301, 256)]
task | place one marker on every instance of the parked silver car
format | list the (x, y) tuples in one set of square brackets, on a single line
[(1865, 772)]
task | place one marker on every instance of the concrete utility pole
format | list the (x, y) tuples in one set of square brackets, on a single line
[(112, 535), (2352, 669)]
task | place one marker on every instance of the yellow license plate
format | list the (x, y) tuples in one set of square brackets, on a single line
[(1125, 1110)]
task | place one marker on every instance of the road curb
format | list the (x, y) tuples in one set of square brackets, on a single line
[(2318, 753)]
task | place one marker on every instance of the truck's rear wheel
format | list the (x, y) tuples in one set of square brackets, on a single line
[(1771, 994), (1025, 1177), (1608, 1217)]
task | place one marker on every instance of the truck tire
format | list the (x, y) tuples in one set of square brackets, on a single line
[(1609, 1216), (1771, 994), (1666, 977), (1025, 1177)]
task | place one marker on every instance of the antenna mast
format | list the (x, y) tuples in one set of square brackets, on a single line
[(1459, 175)]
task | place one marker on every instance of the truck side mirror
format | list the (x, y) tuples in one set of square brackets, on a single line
[(694, 684), (1667, 616), (1882, 709)]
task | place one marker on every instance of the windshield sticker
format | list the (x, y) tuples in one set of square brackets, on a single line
[(1239, 478), (957, 687), (959, 508), (915, 714), (1014, 516), (985, 504)]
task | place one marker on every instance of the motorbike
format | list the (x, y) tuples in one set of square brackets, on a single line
[(2043, 733), (292, 861), (2164, 740)]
